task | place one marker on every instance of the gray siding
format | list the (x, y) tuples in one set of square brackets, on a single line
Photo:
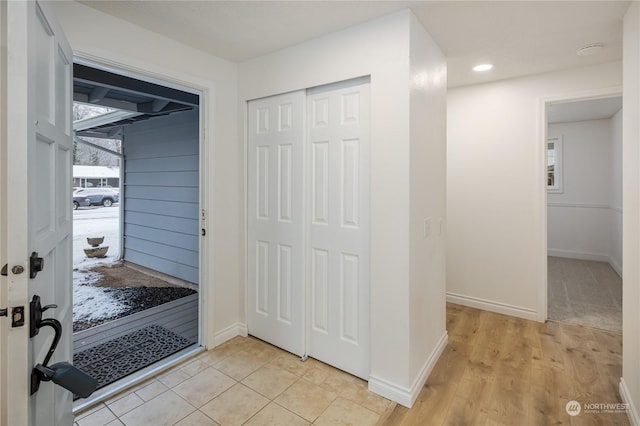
[(161, 186)]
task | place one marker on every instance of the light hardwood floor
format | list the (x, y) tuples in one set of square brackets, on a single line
[(503, 370)]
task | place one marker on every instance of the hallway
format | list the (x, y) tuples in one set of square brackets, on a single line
[(498, 369)]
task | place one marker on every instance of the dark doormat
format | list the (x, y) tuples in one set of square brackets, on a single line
[(117, 358)]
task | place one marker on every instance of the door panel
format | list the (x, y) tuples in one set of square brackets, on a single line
[(275, 222), (39, 143), (338, 235)]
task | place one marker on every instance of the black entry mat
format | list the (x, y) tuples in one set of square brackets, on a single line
[(117, 358)]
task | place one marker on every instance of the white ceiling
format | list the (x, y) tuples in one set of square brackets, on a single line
[(595, 109), (519, 38)]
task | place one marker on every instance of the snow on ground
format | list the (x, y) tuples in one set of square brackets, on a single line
[(89, 302), (95, 222), (93, 303)]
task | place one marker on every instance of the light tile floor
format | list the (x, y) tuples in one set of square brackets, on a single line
[(243, 382)]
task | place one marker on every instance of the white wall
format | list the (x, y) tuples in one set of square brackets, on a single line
[(113, 40), (580, 218), (4, 386), (615, 200), (496, 230), (630, 383), (428, 98), (381, 49)]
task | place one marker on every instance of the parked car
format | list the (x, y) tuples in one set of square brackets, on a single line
[(99, 196), (80, 201)]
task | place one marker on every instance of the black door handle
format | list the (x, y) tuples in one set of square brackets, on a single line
[(35, 314), (62, 373)]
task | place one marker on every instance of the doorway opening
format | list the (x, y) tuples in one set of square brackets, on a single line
[(584, 212), (137, 222)]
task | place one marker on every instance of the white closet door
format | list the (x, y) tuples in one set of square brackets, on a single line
[(275, 220), (338, 223)]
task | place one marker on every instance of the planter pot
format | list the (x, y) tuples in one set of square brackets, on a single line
[(96, 251), (95, 241)]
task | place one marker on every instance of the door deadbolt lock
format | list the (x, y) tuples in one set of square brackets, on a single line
[(17, 270), (36, 264)]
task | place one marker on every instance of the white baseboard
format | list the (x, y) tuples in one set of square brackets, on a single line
[(572, 254), (492, 306), (580, 255), (237, 329), (403, 395), (616, 266), (632, 412)]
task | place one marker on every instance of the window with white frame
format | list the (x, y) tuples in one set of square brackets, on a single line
[(554, 164)]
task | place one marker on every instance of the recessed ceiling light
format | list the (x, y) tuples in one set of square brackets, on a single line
[(589, 49), (482, 67)]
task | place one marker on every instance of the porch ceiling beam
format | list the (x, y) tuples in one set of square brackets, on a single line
[(94, 134), (103, 119), (97, 94), (107, 102), (155, 108), (115, 132), (158, 104), (121, 83)]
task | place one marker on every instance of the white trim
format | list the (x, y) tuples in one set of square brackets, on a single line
[(236, 329), (615, 265), (541, 164), (492, 306), (407, 396), (632, 412), (581, 255), (563, 204)]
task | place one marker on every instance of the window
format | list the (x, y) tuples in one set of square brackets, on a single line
[(554, 165)]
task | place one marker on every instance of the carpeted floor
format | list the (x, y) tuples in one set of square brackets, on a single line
[(584, 292)]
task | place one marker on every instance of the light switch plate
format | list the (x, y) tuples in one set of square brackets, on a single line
[(427, 227)]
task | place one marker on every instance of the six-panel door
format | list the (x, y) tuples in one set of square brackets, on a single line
[(308, 223)]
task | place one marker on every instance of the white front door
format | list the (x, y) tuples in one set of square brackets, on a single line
[(275, 223), (36, 212), (338, 221)]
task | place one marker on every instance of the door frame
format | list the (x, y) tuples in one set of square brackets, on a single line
[(206, 291), (541, 166)]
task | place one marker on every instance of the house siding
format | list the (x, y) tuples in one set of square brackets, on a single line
[(161, 189)]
